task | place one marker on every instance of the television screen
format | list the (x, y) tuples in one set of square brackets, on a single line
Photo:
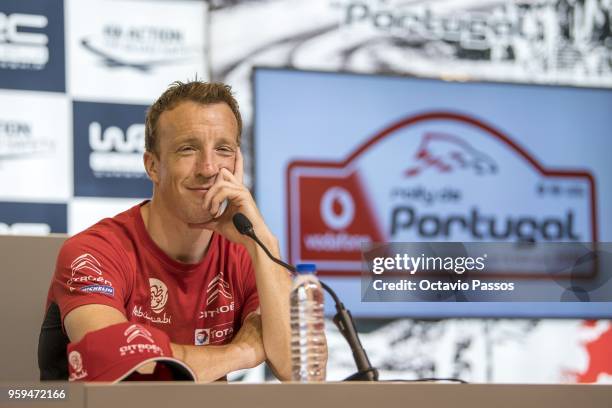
[(345, 159)]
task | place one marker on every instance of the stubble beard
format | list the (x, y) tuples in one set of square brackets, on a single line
[(193, 212)]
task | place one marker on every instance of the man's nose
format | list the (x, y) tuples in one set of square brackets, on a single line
[(206, 165)]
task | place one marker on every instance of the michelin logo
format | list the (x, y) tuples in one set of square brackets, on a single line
[(115, 153), (20, 48), (103, 289)]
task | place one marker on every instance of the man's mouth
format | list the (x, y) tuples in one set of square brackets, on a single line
[(200, 191)]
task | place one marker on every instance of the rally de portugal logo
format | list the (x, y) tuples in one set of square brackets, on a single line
[(431, 178)]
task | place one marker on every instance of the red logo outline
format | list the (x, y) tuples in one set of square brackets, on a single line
[(440, 115)]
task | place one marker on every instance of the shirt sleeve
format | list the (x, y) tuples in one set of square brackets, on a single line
[(250, 296), (89, 270)]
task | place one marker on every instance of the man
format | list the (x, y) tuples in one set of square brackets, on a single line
[(176, 262)]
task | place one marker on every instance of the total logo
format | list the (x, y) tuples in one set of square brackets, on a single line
[(22, 45), (213, 335), (115, 152), (335, 208)]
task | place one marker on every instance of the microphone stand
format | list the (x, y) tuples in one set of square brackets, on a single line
[(344, 322), (343, 318)]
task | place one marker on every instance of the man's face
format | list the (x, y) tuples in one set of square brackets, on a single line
[(194, 142)]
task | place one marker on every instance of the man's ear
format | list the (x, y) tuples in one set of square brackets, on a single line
[(151, 163)]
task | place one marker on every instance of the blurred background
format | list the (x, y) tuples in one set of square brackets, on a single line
[(365, 120)]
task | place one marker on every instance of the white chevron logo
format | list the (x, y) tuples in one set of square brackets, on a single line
[(85, 262), (135, 331), (218, 287)]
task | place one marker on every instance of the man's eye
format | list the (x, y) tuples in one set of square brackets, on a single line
[(225, 149), (186, 149)]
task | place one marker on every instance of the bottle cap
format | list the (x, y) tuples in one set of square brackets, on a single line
[(306, 268)]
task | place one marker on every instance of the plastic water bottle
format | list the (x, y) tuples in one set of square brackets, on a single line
[(308, 342)]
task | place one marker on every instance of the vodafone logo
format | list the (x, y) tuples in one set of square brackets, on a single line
[(337, 208)]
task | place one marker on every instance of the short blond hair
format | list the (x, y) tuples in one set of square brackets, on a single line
[(206, 93)]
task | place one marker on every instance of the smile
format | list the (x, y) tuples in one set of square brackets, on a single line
[(201, 190)]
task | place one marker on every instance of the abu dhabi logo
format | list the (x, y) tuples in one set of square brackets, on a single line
[(18, 140), (159, 295), (140, 47), (135, 331), (76, 366), (218, 287), (21, 47)]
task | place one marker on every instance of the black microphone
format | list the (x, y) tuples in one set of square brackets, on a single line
[(245, 227), (343, 318), (243, 224)]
